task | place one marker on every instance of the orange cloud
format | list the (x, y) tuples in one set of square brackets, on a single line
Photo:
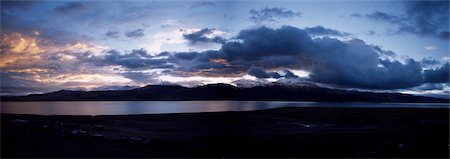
[(33, 71), (16, 47), (221, 61), (25, 50), (19, 43)]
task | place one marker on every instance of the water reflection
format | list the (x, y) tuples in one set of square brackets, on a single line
[(158, 107)]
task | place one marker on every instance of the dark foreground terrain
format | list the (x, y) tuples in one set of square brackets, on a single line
[(282, 132)]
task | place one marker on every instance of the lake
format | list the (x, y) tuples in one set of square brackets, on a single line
[(160, 107)]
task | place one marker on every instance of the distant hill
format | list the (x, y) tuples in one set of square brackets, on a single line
[(227, 92)]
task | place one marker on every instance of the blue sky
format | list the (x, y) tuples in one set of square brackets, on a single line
[(51, 45)]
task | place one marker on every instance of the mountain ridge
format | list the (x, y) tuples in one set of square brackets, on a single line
[(274, 92)]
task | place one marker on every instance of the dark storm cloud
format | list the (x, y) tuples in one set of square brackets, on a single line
[(289, 74), (186, 55), (135, 33), (201, 37), (271, 14), (422, 18), (258, 72), (275, 75), (356, 64), (320, 30), (71, 7), (331, 61), (351, 63), (438, 75), (263, 42), (208, 63)]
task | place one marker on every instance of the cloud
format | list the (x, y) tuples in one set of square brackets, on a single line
[(438, 75), (371, 33), (356, 64), (14, 83), (430, 86), (271, 14), (289, 74), (71, 7), (356, 15), (229, 17), (201, 36), (429, 18), (19, 83), (320, 30), (446, 58), (37, 62), (386, 17), (135, 33), (438, 90), (204, 3), (169, 23), (273, 46), (114, 87), (256, 52), (112, 34), (11, 25), (135, 59), (142, 77), (431, 47), (350, 63), (21, 50), (159, 39), (430, 62), (258, 72), (422, 18)]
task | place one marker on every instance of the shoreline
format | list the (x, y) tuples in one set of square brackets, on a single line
[(278, 132)]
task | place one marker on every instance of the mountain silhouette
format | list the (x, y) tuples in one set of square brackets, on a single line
[(274, 92)]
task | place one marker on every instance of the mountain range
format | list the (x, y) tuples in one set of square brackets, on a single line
[(227, 92)]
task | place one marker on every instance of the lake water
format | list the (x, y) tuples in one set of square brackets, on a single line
[(159, 107)]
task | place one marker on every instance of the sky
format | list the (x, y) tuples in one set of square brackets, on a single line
[(387, 46)]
